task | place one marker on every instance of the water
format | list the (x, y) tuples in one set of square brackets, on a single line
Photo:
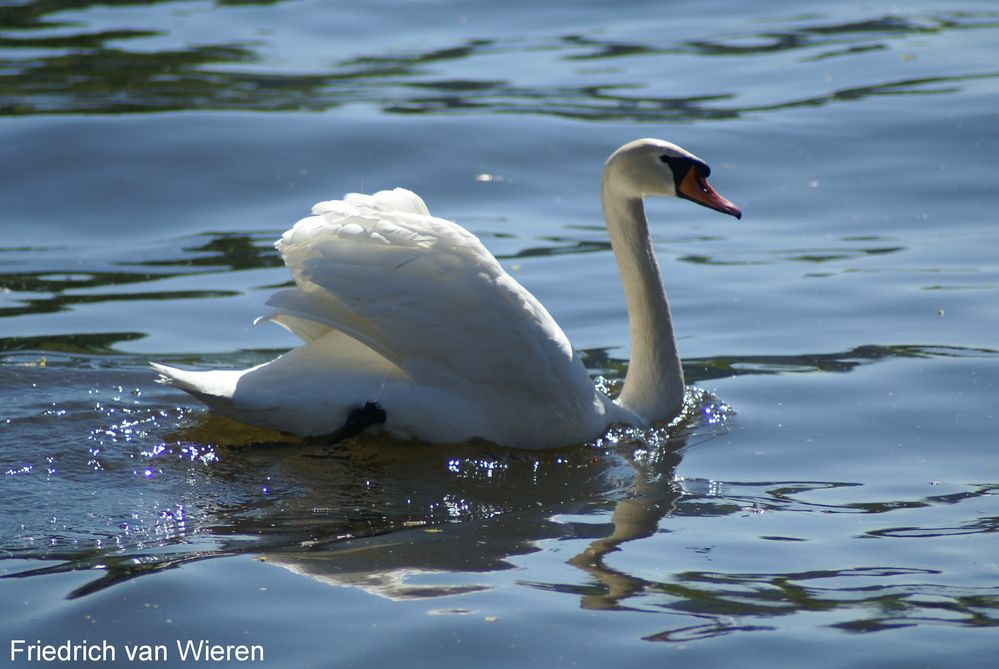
[(830, 497)]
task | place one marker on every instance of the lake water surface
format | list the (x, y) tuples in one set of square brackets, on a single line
[(830, 499)]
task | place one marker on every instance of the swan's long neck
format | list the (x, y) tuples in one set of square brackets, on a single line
[(653, 386)]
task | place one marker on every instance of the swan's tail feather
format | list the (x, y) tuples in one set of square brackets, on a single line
[(215, 388)]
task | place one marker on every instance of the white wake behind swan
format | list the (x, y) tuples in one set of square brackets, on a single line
[(410, 325)]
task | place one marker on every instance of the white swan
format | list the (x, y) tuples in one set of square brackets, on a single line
[(409, 322)]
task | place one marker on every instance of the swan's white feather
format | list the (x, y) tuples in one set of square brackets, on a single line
[(308, 391), (398, 307), (424, 293)]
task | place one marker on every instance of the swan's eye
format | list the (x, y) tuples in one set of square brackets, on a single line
[(664, 159)]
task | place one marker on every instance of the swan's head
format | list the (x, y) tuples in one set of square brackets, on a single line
[(656, 167)]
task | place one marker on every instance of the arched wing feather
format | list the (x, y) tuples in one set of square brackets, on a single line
[(421, 291)]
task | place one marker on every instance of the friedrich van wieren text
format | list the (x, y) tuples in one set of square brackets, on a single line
[(182, 650)]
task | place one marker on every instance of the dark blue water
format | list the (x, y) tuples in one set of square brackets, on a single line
[(830, 500)]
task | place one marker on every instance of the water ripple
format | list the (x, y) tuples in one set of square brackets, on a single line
[(94, 69)]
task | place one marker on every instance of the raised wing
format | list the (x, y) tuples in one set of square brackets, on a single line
[(421, 291)]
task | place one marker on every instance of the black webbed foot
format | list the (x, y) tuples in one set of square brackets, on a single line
[(357, 422)]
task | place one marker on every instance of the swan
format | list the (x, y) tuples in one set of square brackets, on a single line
[(409, 325)]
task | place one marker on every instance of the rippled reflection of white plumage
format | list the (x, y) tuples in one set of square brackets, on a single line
[(411, 326)]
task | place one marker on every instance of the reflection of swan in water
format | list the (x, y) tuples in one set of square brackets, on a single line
[(430, 557), (441, 559), (409, 321), (396, 566)]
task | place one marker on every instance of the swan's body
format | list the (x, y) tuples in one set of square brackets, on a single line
[(409, 321)]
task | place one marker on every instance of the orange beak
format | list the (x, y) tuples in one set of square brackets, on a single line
[(695, 187)]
